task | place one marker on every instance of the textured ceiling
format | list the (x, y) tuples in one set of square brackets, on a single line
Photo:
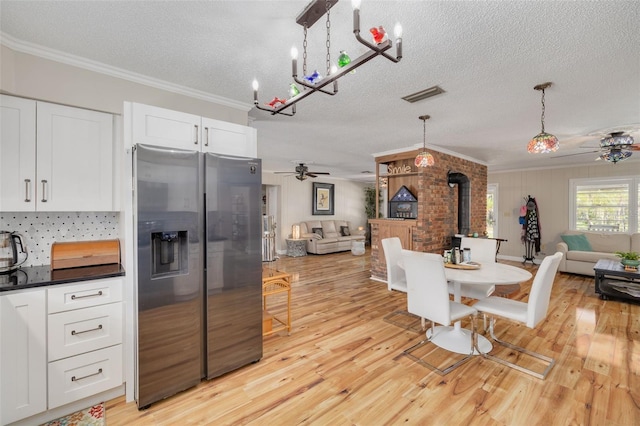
[(486, 55)]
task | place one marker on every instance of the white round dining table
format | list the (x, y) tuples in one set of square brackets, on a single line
[(455, 338)]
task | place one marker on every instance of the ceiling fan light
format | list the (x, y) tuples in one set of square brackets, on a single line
[(616, 139), (615, 156), (543, 143)]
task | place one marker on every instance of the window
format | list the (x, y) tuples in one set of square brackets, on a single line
[(604, 204), (492, 210)]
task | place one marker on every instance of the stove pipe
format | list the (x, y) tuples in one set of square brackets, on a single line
[(464, 200)]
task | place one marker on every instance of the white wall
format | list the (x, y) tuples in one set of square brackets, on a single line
[(550, 187), (296, 202)]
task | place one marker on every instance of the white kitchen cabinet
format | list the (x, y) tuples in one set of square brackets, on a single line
[(17, 154), (164, 127), (23, 355), (59, 344), (71, 379), (55, 158), (173, 129), (224, 138), (84, 339)]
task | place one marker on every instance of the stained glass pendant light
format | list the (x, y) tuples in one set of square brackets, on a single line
[(543, 142), (424, 157)]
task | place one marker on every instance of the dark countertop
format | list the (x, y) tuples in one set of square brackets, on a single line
[(41, 276)]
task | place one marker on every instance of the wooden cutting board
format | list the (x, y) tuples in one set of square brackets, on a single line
[(462, 266), (84, 253)]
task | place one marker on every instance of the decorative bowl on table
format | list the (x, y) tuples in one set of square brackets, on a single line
[(630, 263)]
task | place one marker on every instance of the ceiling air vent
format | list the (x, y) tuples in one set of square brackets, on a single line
[(423, 94)]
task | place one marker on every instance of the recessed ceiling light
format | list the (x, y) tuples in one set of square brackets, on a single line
[(423, 94)]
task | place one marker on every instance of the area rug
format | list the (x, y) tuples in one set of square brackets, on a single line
[(92, 416)]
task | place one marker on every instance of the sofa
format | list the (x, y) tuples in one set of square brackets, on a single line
[(585, 251), (329, 236)]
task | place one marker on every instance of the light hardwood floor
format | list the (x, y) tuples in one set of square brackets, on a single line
[(342, 364)]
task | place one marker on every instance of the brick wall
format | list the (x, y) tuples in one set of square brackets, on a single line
[(438, 202), (438, 206)]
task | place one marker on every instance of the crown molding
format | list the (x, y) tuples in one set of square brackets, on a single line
[(429, 147), (84, 63)]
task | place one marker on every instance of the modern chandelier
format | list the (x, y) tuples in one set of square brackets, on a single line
[(424, 157), (315, 82), (543, 142)]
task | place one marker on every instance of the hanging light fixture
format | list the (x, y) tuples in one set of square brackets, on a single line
[(543, 142), (315, 82), (615, 155), (424, 157)]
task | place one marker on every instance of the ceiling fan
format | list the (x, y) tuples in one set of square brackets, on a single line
[(614, 147), (302, 172)]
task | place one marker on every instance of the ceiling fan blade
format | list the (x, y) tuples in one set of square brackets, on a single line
[(319, 173), (579, 153), (283, 172), (311, 174)]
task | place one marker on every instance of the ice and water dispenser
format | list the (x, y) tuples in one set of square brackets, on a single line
[(169, 253)]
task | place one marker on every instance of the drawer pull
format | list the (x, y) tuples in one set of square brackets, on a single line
[(74, 297), (73, 332), (74, 379)]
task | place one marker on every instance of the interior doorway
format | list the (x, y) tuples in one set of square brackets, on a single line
[(271, 207)]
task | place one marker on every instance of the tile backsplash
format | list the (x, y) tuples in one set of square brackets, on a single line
[(40, 230)]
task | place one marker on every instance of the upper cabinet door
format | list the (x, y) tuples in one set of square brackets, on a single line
[(74, 159), (224, 138), (17, 154), (163, 127)]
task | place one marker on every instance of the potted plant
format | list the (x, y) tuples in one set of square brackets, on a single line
[(629, 258), (369, 208)]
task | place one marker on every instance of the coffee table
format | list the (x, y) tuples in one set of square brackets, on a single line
[(612, 281)]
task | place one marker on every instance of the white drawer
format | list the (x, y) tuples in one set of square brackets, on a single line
[(90, 293), (84, 330), (84, 375)]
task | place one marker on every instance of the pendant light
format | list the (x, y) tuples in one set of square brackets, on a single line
[(424, 157), (543, 142)]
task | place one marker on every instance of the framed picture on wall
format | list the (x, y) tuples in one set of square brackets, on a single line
[(322, 198)]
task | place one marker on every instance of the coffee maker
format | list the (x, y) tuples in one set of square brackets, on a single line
[(13, 252)]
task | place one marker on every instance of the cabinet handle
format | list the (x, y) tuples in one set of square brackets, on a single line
[(44, 190), (74, 379), (206, 136), (27, 190), (196, 139), (74, 333), (74, 297)]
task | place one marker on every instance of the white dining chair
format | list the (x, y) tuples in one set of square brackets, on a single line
[(396, 279), (530, 313), (428, 297), (483, 251)]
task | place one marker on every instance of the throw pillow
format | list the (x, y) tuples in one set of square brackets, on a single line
[(317, 231), (344, 230), (577, 242)]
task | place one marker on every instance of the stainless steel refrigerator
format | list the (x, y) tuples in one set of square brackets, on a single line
[(199, 267)]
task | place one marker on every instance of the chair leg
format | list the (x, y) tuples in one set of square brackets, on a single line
[(520, 349), (451, 367), (410, 326)]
